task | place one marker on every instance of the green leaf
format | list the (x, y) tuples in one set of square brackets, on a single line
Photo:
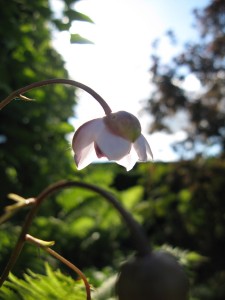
[(132, 196), (77, 39), (60, 25), (77, 16), (82, 226)]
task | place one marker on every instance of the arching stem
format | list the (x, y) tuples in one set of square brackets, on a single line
[(140, 239), (37, 84)]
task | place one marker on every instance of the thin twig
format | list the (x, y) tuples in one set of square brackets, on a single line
[(34, 241)]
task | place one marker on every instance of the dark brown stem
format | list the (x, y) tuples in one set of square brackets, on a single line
[(140, 240), (34, 241), (84, 87)]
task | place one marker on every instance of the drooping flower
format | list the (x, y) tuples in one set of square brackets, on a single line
[(117, 137)]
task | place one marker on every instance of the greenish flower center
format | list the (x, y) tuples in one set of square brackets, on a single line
[(124, 125)]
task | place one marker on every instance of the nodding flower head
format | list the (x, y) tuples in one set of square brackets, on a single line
[(117, 136)]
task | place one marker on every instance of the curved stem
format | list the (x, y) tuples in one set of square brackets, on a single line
[(37, 84), (140, 240)]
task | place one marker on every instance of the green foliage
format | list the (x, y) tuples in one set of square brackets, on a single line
[(69, 15), (52, 285), (184, 206), (180, 205)]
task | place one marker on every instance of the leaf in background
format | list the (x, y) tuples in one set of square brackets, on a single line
[(77, 16), (60, 25), (77, 39), (132, 196)]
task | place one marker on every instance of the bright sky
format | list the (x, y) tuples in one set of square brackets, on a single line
[(117, 65)]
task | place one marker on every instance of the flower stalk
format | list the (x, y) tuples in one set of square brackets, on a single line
[(19, 93)]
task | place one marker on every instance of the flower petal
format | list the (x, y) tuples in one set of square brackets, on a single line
[(143, 149), (85, 157), (112, 146), (83, 142), (129, 160)]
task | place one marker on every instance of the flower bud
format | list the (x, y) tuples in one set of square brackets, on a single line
[(124, 125), (156, 276)]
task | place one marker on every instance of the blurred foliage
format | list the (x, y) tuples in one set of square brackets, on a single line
[(55, 285), (52, 285), (184, 206), (180, 205), (34, 148), (201, 113)]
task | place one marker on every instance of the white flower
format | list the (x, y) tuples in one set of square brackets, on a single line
[(116, 136)]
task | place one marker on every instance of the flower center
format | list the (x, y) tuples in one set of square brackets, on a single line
[(124, 125)]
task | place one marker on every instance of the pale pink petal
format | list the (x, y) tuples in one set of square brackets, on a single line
[(112, 146), (98, 151), (83, 142), (85, 157), (143, 149), (129, 160)]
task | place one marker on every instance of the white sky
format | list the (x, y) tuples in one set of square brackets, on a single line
[(117, 65)]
